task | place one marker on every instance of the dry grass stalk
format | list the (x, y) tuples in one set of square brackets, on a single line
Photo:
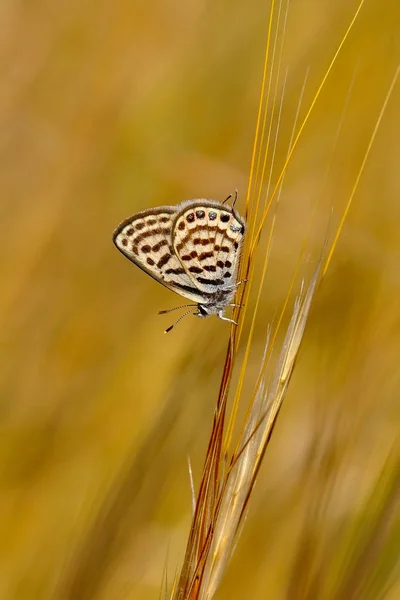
[(229, 475)]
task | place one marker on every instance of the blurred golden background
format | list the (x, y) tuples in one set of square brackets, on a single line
[(109, 108)]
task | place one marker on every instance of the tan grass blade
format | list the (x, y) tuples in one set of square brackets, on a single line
[(360, 172), (229, 477), (257, 432)]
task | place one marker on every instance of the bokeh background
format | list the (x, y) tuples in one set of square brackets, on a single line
[(107, 108)]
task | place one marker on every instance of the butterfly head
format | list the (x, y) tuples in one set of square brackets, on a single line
[(202, 311)]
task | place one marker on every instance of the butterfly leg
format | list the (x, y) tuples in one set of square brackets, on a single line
[(220, 316), (235, 285), (236, 304), (240, 282)]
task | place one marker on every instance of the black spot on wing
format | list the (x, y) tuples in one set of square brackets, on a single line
[(157, 247), (188, 288), (205, 255), (177, 271), (214, 282), (192, 237), (165, 231), (163, 260)]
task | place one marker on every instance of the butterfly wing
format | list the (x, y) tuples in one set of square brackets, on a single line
[(146, 239), (207, 238)]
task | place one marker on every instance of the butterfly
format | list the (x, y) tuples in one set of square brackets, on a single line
[(192, 248)]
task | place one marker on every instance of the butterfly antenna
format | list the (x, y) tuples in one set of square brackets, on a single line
[(177, 321), (164, 312), (231, 196), (235, 198)]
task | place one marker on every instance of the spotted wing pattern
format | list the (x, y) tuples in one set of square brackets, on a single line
[(207, 237), (146, 239)]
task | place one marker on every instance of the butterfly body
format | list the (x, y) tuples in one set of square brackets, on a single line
[(192, 248)]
